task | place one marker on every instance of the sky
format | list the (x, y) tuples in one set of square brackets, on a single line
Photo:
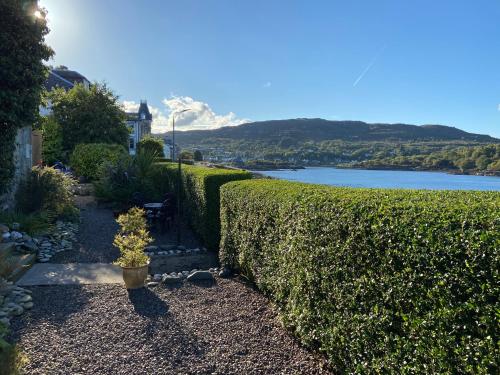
[(231, 61)]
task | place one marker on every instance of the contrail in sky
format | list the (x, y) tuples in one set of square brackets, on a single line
[(374, 60)]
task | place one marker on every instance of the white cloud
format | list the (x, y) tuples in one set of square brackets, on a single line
[(200, 116), (267, 85)]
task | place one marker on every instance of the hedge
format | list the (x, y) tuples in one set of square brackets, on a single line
[(200, 197), (381, 281), (87, 158)]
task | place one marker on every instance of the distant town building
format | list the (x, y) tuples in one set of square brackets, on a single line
[(65, 78), (139, 124)]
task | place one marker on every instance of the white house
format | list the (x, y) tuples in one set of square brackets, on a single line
[(139, 124)]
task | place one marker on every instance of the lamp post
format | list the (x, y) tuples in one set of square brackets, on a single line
[(179, 176)]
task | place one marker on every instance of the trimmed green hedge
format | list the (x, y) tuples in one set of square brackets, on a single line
[(381, 281), (200, 192)]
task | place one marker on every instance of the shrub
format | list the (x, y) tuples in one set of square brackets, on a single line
[(200, 192), (87, 159), (132, 238), (381, 281), (46, 189), (197, 156), (52, 140), (151, 144), (118, 181)]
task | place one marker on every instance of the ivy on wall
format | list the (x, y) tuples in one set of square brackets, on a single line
[(22, 73)]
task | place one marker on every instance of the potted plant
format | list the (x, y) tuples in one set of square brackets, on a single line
[(132, 239)]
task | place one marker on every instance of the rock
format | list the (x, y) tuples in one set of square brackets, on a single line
[(46, 245), (6, 236), (25, 298), (3, 228), (15, 226), (28, 305), (16, 309), (30, 246), (169, 279), (151, 248), (5, 321), (157, 277), (44, 260), (201, 276), (182, 248), (16, 235), (168, 247), (152, 284), (225, 272)]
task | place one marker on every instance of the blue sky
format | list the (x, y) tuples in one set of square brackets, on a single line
[(417, 62)]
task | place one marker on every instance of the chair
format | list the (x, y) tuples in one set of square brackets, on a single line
[(167, 212)]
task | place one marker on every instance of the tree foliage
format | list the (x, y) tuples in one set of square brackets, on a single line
[(197, 155), (91, 115), (151, 144), (22, 72), (52, 140)]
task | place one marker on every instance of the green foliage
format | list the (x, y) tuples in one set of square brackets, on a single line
[(381, 281), (118, 181), (186, 155), (52, 140), (12, 359), (132, 238), (91, 115), (22, 52), (197, 155), (46, 189), (33, 223), (200, 197), (151, 144), (87, 159)]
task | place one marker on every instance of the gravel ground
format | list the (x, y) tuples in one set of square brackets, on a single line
[(226, 328), (97, 230), (95, 238)]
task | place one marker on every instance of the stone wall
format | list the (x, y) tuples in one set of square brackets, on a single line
[(22, 165)]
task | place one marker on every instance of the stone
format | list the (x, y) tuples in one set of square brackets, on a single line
[(151, 248), (28, 305), (30, 246), (16, 235), (44, 260), (152, 284), (169, 279), (6, 236), (201, 276), (225, 272), (157, 277), (46, 244), (25, 298), (15, 226), (16, 310), (168, 247), (182, 248), (5, 321), (3, 228)]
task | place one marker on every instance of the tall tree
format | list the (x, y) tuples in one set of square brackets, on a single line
[(91, 115), (22, 73)]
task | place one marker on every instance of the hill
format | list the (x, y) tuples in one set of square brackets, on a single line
[(321, 130)]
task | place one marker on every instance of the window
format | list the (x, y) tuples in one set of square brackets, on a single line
[(132, 143)]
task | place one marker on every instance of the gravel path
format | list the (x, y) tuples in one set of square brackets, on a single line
[(227, 328), (95, 236)]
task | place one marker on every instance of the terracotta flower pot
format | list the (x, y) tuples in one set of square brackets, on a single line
[(135, 277)]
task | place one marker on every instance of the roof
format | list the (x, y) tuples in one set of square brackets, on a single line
[(70, 75), (143, 109), (54, 80)]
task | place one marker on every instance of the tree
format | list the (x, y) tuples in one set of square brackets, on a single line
[(22, 71), (91, 115), (186, 155), (151, 144), (198, 156), (52, 140)]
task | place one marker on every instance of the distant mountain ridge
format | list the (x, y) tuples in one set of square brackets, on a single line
[(321, 130)]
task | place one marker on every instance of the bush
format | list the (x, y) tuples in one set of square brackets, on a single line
[(87, 159), (132, 238), (200, 191), (381, 281), (46, 189), (151, 144), (52, 140), (118, 181)]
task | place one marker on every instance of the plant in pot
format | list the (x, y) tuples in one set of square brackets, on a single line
[(132, 239)]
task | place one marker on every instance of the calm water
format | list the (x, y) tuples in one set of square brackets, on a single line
[(387, 179)]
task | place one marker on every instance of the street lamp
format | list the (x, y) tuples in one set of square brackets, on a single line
[(179, 176)]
